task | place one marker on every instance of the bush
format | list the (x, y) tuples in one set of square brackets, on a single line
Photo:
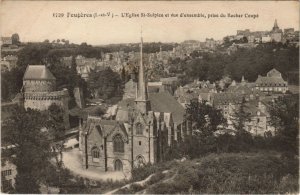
[(143, 172), (136, 188), (241, 173), (155, 178), (233, 173), (133, 188), (162, 188)]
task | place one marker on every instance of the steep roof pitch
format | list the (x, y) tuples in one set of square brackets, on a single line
[(274, 73), (164, 102), (160, 102), (269, 80), (38, 72), (107, 126)]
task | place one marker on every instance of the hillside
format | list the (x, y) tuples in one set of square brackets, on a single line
[(223, 173)]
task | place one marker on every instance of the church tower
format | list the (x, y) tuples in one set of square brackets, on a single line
[(275, 27), (142, 102)]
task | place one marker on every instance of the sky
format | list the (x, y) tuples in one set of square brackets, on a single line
[(34, 21)]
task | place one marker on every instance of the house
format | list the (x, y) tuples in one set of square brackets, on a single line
[(273, 82), (6, 40), (8, 175)]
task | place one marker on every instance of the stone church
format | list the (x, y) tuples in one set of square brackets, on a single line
[(143, 128)]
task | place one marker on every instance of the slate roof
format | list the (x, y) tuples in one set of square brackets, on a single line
[(274, 73), (226, 98), (110, 125), (164, 102), (107, 126), (270, 81), (160, 102), (38, 72)]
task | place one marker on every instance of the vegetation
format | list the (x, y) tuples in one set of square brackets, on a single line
[(243, 138), (104, 84), (247, 62), (48, 54), (31, 153), (285, 118), (231, 173), (205, 120)]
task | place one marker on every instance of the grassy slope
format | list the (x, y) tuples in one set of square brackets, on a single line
[(222, 173)]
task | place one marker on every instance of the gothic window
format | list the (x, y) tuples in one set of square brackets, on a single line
[(140, 161), (118, 143), (95, 154), (139, 129), (118, 165)]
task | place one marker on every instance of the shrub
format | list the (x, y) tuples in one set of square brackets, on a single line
[(162, 188), (133, 188), (155, 178), (136, 188), (143, 172)]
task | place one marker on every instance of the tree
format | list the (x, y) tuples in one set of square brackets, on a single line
[(55, 123), (73, 65), (31, 152), (123, 75), (104, 84), (205, 118), (285, 118), (240, 118), (205, 121), (15, 39), (11, 83)]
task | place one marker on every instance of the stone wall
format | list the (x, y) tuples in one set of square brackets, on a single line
[(39, 85), (42, 100), (94, 139)]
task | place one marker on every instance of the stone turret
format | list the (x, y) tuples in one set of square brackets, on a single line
[(38, 78), (39, 91)]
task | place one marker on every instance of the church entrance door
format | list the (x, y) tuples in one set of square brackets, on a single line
[(118, 165)]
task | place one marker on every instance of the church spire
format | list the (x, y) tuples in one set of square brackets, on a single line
[(142, 94), (275, 24), (275, 27)]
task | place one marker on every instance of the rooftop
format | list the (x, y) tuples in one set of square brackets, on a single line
[(38, 72)]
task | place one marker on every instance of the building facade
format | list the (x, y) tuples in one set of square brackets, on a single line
[(8, 174), (273, 82)]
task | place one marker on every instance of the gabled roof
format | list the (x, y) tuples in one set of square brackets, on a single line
[(38, 72), (107, 127), (164, 102), (273, 73), (160, 102)]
